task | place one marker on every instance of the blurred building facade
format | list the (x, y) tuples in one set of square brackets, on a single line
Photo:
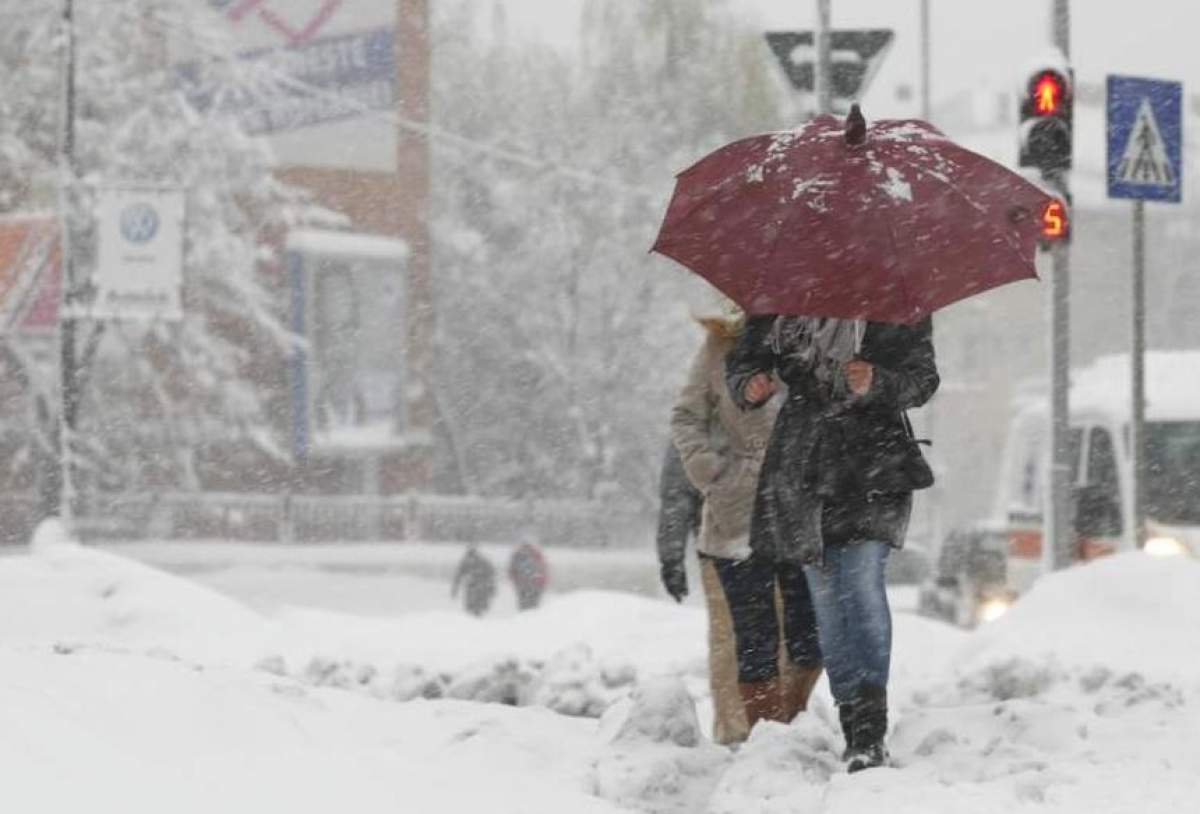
[(355, 400), (352, 405)]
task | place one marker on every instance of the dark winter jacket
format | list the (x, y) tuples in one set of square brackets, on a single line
[(478, 575), (790, 521), (679, 511)]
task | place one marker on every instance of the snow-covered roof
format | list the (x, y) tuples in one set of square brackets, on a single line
[(1104, 387), (347, 244)]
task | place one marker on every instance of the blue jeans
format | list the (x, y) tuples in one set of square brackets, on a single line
[(853, 618)]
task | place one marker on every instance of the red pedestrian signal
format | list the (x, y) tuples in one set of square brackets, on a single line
[(1046, 120), (1048, 94), (1055, 223)]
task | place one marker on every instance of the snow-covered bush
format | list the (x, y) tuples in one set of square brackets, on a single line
[(410, 682), (544, 283), (573, 682), (503, 681)]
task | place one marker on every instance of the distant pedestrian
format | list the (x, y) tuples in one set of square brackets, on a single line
[(527, 570), (764, 653), (477, 576)]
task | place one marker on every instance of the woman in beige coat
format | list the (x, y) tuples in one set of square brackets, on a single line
[(756, 673)]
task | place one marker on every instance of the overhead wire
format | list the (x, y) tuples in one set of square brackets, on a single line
[(441, 137), (437, 136)]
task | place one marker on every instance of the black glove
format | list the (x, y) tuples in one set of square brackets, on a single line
[(674, 579)]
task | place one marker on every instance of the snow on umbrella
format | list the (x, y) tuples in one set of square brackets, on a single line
[(888, 222)]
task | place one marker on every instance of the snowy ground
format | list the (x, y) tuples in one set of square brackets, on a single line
[(127, 689)]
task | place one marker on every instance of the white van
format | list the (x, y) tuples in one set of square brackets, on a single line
[(1101, 464), (979, 570)]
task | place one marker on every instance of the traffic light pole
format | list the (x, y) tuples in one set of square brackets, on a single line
[(1059, 525)]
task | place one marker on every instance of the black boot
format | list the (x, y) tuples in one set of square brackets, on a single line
[(846, 716), (868, 728)]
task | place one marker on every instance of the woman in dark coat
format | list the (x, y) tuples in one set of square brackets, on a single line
[(855, 380)]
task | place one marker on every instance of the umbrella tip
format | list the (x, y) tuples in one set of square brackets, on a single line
[(856, 126)]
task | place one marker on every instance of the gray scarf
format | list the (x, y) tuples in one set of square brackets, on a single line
[(820, 345)]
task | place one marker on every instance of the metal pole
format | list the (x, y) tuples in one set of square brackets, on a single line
[(1059, 527), (1137, 429), (1062, 523), (823, 79), (63, 501), (926, 61)]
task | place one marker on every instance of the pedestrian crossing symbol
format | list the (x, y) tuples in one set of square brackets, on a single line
[(1145, 158), (1144, 134)]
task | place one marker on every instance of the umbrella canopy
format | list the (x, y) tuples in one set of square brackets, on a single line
[(836, 219)]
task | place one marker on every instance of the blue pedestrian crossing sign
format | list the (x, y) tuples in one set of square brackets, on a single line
[(1145, 129)]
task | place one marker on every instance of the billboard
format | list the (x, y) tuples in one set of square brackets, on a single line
[(349, 377), (329, 71)]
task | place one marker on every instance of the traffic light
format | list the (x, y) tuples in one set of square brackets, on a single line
[(1046, 119)]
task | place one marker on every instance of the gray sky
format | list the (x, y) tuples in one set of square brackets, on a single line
[(976, 43)]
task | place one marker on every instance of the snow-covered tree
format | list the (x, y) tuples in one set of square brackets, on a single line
[(159, 398), (562, 343)]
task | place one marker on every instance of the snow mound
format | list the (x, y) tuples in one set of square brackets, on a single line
[(660, 711), (656, 759), (49, 534), (574, 682), (782, 768), (1125, 614), (127, 733), (78, 596)]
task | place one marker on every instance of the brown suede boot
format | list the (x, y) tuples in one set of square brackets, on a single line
[(762, 700), (797, 691)]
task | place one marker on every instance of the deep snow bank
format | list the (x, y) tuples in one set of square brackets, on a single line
[(124, 689), (1082, 699), (66, 594), (1125, 613), (123, 733)]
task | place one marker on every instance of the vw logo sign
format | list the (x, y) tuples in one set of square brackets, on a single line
[(139, 223)]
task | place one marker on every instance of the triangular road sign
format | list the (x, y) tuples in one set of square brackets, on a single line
[(856, 56), (1144, 160)]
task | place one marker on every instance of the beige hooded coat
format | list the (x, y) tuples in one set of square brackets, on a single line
[(722, 449)]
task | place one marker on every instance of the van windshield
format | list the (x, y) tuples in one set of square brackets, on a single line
[(1173, 472)]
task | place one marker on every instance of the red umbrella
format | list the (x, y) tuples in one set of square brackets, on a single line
[(886, 223)]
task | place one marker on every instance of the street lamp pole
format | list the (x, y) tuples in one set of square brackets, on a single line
[(926, 59), (823, 79), (62, 503)]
